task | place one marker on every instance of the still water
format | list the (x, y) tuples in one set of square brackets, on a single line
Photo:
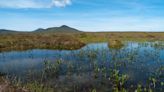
[(138, 60)]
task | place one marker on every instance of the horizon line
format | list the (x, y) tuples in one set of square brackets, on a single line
[(81, 30)]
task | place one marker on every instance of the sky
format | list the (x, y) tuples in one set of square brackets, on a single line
[(85, 15)]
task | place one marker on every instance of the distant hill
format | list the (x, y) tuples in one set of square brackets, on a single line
[(61, 29), (4, 31)]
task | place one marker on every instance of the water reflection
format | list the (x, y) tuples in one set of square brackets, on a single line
[(134, 59)]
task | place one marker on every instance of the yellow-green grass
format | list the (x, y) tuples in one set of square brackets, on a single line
[(22, 41)]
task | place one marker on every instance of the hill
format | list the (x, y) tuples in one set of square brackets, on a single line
[(61, 29), (4, 31)]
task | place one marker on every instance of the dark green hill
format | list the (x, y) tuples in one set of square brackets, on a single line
[(4, 31), (61, 29)]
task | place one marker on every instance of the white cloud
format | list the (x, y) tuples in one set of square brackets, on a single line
[(61, 3), (33, 3)]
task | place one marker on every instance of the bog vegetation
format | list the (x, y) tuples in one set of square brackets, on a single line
[(98, 70), (23, 41)]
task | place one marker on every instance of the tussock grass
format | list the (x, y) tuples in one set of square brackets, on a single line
[(23, 41), (115, 44), (45, 41)]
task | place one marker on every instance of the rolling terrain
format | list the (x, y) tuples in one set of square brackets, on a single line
[(65, 37)]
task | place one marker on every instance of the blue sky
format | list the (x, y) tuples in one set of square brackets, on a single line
[(86, 15)]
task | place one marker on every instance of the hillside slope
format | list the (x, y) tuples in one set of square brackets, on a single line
[(61, 29)]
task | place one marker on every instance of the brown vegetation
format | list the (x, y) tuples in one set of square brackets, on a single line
[(5, 86), (42, 41), (23, 41), (115, 44)]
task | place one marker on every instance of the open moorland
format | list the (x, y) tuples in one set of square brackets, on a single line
[(65, 37), (64, 59)]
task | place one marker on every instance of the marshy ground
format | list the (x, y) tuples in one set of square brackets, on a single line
[(23, 41), (78, 62)]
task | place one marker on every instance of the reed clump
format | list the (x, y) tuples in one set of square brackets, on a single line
[(115, 43)]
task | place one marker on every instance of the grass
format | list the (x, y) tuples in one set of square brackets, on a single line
[(124, 36), (115, 44), (92, 76), (42, 41), (23, 41)]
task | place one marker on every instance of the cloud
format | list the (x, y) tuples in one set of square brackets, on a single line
[(61, 3), (33, 3)]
